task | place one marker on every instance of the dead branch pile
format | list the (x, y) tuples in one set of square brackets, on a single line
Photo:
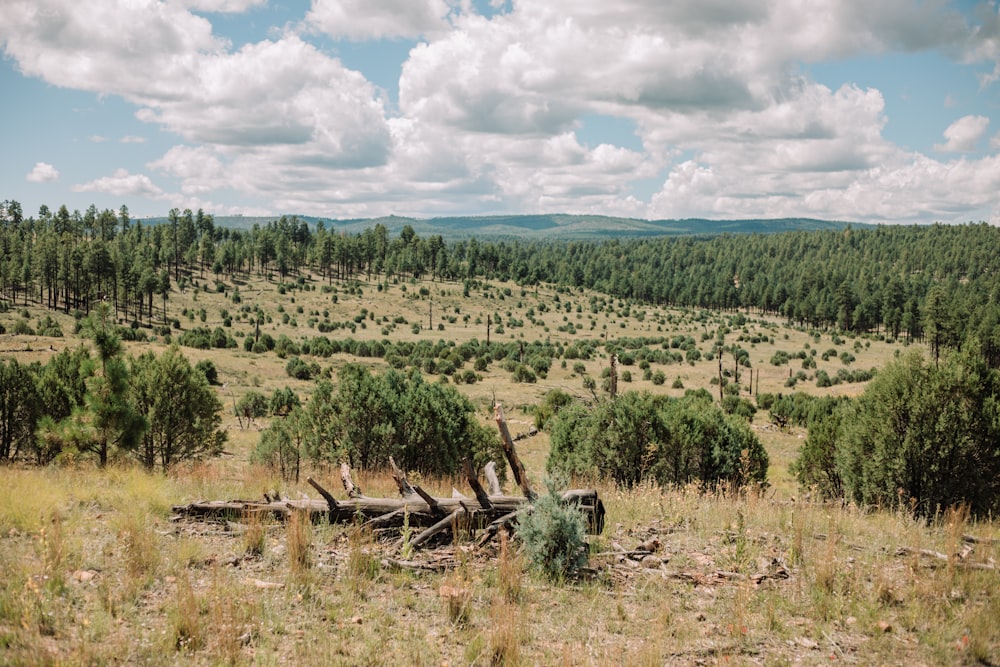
[(487, 511)]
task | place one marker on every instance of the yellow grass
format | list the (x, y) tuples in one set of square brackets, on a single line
[(95, 571)]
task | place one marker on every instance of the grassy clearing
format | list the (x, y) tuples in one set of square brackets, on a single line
[(115, 580), (95, 572)]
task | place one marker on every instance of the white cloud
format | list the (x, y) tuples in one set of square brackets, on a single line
[(43, 172), (385, 19), (263, 96), (107, 46), (133, 139), (222, 6), (97, 139), (963, 135), (488, 107), (122, 184)]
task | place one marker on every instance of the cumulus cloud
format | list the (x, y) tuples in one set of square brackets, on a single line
[(489, 105), (963, 135), (122, 184), (43, 172), (386, 19), (222, 6)]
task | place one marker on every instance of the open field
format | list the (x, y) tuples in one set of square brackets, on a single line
[(439, 311), (97, 573)]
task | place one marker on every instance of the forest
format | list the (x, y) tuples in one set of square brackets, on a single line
[(936, 283), (794, 435)]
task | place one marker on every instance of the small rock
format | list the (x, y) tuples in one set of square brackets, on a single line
[(884, 626), (651, 561), (83, 576), (356, 620), (652, 544)]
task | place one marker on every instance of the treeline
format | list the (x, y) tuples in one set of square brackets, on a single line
[(158, 411), (936, 283)]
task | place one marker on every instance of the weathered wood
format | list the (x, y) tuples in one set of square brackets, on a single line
[(517, 468), (387, 519), (481, 495), (491, 530), (432, 502), (389, 512), (440, 526), (349, 486), (956, 561), (492, 481), (327, 496), (413, 565), (613, 388), (400, 477), (588, 502)]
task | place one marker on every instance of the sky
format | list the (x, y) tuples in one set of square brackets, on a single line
[(852, 110)]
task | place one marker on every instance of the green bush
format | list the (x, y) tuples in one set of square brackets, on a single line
[(673, 441), (427, 427), (779, 358), (207, 368), (283, 401), (553, 536), (49, 327), (524, 374), (301, 370), (552, 403), (921, 437), (741, 407)]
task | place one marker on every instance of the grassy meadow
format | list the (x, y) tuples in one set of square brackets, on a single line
[(96, 572)]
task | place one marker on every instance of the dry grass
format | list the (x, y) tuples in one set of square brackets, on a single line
[(95, 572), (117, 581)]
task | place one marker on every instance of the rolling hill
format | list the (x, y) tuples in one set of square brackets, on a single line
[(549, 226)]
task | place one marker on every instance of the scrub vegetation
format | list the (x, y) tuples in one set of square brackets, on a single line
[(794, 436)]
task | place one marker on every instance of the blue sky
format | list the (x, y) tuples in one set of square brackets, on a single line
[(359, 108)]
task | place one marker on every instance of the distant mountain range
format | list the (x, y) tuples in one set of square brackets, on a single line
[(550, 226)]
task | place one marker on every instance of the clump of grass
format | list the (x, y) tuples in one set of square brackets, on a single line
[(510, 571), (187, 634), (26, 498), (235, 620), (52, 547), (299, 535), (362, 565), (142, 553), (457, 597), (506, 635), (255, 537)]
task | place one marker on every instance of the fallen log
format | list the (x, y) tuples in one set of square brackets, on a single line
[(389, 512), (416, 508)]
